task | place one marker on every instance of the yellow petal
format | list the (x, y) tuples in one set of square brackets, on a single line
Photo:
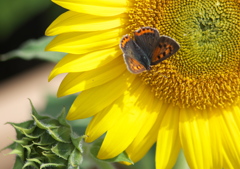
[(76, 82), (76, 22), (86, 105), (231, 136), (147, 137), (195, 138), (79, 63), (216, 138), (120, 3), (102, 122), (168, 143), (95, 7), (134, 110), (79, 43)]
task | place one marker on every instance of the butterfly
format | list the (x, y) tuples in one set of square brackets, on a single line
[(146, 49)]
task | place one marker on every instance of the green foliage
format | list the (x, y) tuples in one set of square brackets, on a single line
[(34, 49), (15, 13), (46, 142)]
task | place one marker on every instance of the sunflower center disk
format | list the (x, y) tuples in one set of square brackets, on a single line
[(205, 71)]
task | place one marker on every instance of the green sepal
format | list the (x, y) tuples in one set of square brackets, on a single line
[(18, 163), (52, 158), (46, 123), (63, 150), (123, 157), (61, 134), (62, 118), (45, 148), (23, 141), (29, 150), (45, 139), (75, 159), (11, 146), (35, 160), (18, 150), (37, 133), (35, 113), (19, 127), (24, 129), (52, 165), (30, 164), (77, 141)]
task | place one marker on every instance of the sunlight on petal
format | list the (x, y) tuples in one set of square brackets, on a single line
[(76, 82), (79, 43), (103, 98), (231, 136), (168, 144), (130, 117), (79, 63), (147, 137), (69, 22), (96, 8), (195, 138)]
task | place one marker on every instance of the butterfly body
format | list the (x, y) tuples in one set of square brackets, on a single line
[(146, 49)]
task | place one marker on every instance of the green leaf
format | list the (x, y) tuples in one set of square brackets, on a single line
[(75, 159), (34, 49), (121, 157), (63, 150)]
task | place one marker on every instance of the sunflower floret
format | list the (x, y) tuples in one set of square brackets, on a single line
[(46, 142)]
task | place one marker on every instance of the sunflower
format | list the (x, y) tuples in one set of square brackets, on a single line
[(189, 101)]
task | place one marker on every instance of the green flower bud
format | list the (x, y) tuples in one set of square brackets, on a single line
[(46, 142)]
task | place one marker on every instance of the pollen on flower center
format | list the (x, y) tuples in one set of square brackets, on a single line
[(205, 71)]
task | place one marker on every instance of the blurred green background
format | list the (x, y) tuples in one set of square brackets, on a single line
[(22, 41), (20, 21)]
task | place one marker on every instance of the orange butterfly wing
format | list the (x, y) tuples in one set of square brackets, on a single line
[(133, 65), (166, 48), (134, 57)]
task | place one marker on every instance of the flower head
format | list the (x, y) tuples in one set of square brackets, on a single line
[(190, 101)]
